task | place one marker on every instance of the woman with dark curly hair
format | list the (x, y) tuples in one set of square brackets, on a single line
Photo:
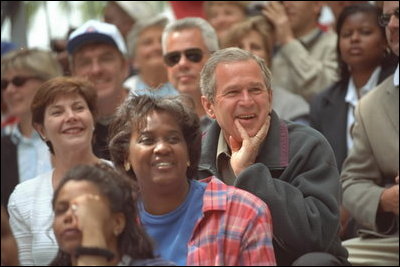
[(157, 142), (95, 220)]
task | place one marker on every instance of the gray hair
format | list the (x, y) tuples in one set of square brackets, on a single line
[(207, 31), (232, 54), (133, 35)]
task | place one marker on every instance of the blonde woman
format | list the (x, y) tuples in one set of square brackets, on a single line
[(22, 150)]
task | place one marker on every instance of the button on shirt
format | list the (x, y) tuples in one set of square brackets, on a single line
[(33, 155), (352, 99)]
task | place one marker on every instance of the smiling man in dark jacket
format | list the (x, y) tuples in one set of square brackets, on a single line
[(290, 166)]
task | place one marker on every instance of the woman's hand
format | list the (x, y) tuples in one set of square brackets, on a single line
[(92, 213)]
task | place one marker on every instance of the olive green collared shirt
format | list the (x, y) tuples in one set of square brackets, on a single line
[(223, 161)]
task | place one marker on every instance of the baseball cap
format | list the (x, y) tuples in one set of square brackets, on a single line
[(94, 31)]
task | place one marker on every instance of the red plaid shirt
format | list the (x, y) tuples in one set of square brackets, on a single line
[(235, 229)]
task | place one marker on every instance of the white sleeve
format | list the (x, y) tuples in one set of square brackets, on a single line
[(20, 226)]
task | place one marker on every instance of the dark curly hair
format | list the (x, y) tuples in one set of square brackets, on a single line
[(132, 115), (121, 193)]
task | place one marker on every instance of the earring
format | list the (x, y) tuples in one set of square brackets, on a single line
[(188, 163), (127, 166), (116, 232)]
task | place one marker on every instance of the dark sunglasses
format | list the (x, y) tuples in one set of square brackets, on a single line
[(16, 81), (384, 19), (193, 54)]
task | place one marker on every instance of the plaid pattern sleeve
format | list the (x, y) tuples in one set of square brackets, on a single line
[(235, 229)]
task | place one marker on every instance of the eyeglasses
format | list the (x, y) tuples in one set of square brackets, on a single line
[(193, 54), (16, 81), (384, 19)]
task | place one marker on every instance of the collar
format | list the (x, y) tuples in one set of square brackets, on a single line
[(396, 77), (17, 137), (274, 151), (310, 38), (352, 96), (222, 147), (215, 195)]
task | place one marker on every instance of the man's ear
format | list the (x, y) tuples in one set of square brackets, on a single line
[(208, 107)]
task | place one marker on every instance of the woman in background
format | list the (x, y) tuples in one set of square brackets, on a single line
[(22, 151), (364, 63), (63, 113)]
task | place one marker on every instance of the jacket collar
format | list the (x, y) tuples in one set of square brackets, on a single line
[(274, 150)]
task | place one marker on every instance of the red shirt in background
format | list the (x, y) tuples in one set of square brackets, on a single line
[(184, 9)]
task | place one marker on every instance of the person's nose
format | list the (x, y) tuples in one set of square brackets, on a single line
[(70, 115), (68, 216), (95, 67), (246, 99), (162, 147), (355, 37)]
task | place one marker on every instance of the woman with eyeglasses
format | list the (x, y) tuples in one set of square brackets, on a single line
[(63, 113), (23, 154), (156, 141)]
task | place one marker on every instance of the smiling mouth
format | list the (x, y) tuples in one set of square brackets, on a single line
[(73, 131), (245, 117), (163, 165)]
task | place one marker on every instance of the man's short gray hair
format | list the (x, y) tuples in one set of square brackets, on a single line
[(207, 31), (232, 54)]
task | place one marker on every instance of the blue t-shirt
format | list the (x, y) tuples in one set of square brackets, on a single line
[(172, 231)]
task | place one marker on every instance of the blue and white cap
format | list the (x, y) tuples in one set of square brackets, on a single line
[(94, 31)]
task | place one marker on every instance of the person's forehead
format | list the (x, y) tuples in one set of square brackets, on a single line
[(95, 46)]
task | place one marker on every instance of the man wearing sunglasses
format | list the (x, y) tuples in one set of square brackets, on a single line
[(187, 44), (370, 175), (97, 52)]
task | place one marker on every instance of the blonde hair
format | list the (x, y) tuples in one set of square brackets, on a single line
[(39, 63)]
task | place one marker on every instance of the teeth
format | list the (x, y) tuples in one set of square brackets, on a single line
[(163, 164), (72, 131)]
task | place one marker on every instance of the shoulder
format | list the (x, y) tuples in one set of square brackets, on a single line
[(383, 88), (304, 134), (35, 188), (328, 38), (232, 198)]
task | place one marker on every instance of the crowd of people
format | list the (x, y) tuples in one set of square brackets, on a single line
[(252, 135)]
